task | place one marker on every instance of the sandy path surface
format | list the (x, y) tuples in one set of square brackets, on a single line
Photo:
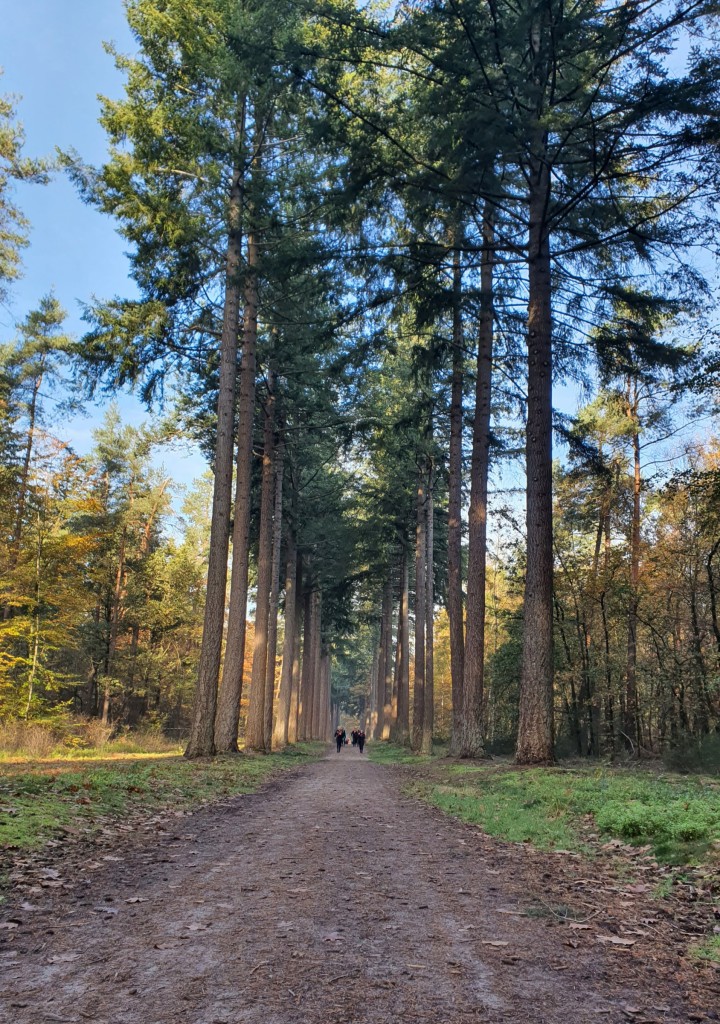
[(327, 897)]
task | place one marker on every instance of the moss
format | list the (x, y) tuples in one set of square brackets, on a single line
[(677, 816)]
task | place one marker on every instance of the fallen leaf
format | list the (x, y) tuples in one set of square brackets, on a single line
[(199, 927), (64, 958), (137, 899), (576, 927), (616, 940), (494, 942)]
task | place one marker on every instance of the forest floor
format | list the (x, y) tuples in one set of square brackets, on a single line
[(332, 895)]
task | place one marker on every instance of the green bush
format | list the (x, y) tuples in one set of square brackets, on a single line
[(633, 820)]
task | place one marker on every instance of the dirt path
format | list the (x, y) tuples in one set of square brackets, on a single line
[(327, 897)]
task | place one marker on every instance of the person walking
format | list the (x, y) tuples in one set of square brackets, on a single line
[(361, 739), (340, 738)]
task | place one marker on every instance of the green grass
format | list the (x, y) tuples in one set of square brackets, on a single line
[(678, 816), (38, 801), (516, 820), (391, 753), (708, 950)]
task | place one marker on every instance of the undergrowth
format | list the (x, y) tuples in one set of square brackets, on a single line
[(708, 950), (71, 737), (677, 816), (392, 753), (36, 803)]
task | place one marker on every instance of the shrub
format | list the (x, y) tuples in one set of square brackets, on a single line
[(28, 738), (679, 820), (692, 755)]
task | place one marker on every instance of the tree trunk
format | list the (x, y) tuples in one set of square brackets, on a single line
[(317, 703), (255, 729), (144, 552), (326, 710), (429, 695), (114, 624), (399, 648), (631, 721), (282, 721), (230, 696), (471, 732), (372, 724), (273, 609), (296, 666), (713, 593), (384, 662), (420, 601), (202, 728), (454, 541), (304, 704), (35, 656), (387, 683), (535, 728), (402, 726)]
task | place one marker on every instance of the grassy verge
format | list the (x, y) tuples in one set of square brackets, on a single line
[(678, 817), (709, 950), (39, 801)]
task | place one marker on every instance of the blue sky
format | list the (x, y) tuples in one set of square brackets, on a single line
[(55, 64), (54, 60)]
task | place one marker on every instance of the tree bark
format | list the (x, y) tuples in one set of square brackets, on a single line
[(372, 724), (317, 702), (399, 648), (420, 600), (304, 704), (631, 720), (471, 731), (402, 726), (712, 589), (454, 555), (387, 682), (383, 659), (535, 728), (326, 710), (284, 705), (255, 729), (114, 622), (202, 728), (230, 696), (296, 664), (429, 695), (273, 607)]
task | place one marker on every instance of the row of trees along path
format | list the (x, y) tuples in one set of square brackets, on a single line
[(365, 246)]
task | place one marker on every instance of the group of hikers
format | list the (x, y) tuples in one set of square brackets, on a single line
[(357, 736)]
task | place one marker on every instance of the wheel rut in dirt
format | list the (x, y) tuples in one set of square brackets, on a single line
[(327, 896)]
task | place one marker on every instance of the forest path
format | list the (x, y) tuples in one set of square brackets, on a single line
[(326, 897)]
